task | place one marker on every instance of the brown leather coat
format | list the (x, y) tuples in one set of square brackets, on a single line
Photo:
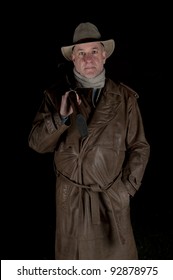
[(95, 175)]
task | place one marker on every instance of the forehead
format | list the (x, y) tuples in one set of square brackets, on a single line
[(88, 46)]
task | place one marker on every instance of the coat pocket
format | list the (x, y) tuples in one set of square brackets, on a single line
[(119, 195)]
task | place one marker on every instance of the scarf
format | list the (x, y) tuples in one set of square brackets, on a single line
[(96, 82)]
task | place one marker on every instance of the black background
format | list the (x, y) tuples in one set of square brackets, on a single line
[(31, 39)]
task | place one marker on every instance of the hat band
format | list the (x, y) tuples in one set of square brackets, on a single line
[(85, 40)]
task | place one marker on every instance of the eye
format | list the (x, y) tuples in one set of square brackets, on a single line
[(95, 52), (81, 54)]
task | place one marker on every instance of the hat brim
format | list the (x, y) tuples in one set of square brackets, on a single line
[(108, 44)]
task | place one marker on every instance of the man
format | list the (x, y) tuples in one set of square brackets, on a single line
[(95, 130)]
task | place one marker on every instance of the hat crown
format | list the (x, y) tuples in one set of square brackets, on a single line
[(84, 31)]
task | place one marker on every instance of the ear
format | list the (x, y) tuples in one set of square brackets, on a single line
[(104, 56), (72, 57)]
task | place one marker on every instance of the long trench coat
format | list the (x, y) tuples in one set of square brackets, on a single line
[(97, 174)]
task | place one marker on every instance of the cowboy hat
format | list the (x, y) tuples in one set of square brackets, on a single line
[(85, 33)]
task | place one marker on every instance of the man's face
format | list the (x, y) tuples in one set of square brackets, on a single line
[(89, 59)]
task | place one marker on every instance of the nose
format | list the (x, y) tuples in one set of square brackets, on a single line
[(88, 57)]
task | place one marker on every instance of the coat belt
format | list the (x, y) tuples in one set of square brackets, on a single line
[(93, 193)]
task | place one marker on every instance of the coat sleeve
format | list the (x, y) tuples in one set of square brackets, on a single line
[(47, 127), (137, 148)]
